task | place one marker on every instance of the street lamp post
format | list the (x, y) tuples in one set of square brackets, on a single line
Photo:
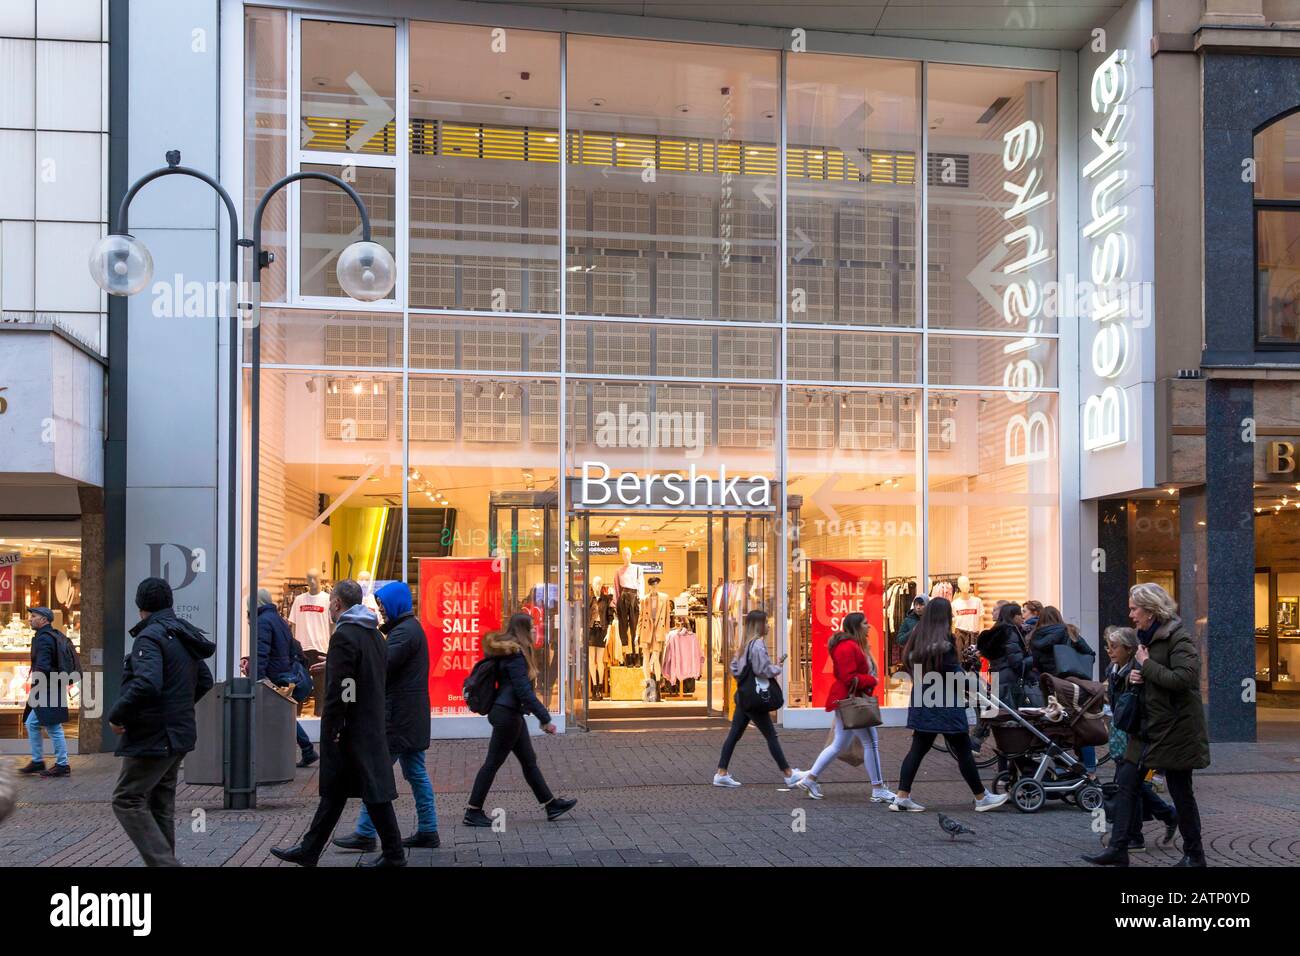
[(122, 265)]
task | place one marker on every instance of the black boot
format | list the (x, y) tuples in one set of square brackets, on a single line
[(386, 860), (558, 807), (35, 767), (309, 757), (355, 841), (424, 840), (1192, 860), (1108, 857), (476, 818), (294, 854)]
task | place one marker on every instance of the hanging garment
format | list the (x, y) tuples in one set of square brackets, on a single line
[(652, 624), (626, 608), (683, 656)]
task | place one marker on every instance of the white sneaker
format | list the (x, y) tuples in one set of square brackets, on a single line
[(883, 795), (725, 780), (809, 785), (991, 801), (905, 803), (795, 776)]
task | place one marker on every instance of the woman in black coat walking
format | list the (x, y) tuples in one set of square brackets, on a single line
[(513, 651), (1002, 646), (940, 696), (353, 739)]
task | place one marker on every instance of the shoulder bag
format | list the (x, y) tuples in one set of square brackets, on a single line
[(1071, 662), (750, 696)]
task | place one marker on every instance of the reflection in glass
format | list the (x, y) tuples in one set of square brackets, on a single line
[(329, 223), (349, 73)]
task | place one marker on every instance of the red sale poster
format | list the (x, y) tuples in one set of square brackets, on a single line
[(460, 602), (838, 589)]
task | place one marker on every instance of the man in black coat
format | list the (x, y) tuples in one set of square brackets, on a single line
[(353, 743), (162, 679), (407, 709), (47, 704)]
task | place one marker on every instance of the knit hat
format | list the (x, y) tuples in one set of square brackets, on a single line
[(153, 594)]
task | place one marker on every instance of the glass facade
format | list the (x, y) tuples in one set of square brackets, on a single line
[(828, 290)]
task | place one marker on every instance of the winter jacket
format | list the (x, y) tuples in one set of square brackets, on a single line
[(353, 741), (406, 694), (905, 629), (1173, 735), (849, 662), (48, 697), (925, 715), (1045, 638), (514, 688), (1002, 646), (163, 677), (274, 644)]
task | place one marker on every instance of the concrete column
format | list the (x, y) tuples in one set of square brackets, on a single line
[(90, 729), (1222, 529)]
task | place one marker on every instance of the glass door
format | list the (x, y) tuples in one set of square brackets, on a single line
[(577, 605), (748, 568)]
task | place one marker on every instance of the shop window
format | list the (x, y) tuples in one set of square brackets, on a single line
[(329, 222), (349, 75)]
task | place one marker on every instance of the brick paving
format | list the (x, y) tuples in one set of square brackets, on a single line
[(644, 800)]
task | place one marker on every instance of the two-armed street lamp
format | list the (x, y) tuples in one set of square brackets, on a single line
[(121, 265)]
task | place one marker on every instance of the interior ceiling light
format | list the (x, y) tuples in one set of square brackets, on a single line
[(683, 108), (506, 95), (596, 101), (321, 80)]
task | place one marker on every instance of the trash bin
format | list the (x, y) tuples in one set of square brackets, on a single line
[(274, 738)]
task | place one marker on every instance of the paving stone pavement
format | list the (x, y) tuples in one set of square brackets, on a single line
[(645, 800)]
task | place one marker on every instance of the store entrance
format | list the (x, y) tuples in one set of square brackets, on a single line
[(657, 601)]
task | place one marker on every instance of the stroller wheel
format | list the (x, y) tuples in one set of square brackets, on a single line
[(1028, 795), (1091, 798), (1002, 782)]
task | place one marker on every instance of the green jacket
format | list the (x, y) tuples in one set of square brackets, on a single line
[(1173, 733), (905, 629)]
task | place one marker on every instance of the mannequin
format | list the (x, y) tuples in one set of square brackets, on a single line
[(309, 619), (367, 585), (652, 629), (967, 609), (629, 587), (599, 615)]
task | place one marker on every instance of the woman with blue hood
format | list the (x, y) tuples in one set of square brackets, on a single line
[(406, 711)]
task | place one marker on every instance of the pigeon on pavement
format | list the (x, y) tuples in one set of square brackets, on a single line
[(953, 828)]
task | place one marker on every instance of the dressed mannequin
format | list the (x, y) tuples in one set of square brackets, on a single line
[(367, 584), (599, 615), (652, 630), (629, 588), (309, 619), (967, 609)]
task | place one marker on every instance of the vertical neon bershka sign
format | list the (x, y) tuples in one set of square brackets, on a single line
[(1105, 412)]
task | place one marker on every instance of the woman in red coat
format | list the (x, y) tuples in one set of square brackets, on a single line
[(851, 655)]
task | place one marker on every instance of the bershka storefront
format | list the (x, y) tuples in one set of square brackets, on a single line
[(789, 343)]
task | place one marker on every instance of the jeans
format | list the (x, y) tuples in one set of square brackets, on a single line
[(144, 802), (56, 740), (426, 811), (1089, 757), (509, 735), (327, 816), (870, 750), (958, 746), (304, 742), (763, 721)]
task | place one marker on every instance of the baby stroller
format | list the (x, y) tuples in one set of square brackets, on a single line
[(1036, 741)]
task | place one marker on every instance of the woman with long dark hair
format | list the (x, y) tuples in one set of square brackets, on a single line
[(932, 658), (516, 671), (856, 674), (752, 653)]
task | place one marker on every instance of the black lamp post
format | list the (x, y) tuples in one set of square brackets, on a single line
[(122, 265)]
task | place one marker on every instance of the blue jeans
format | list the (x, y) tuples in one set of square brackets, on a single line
[(426, 811), (56, 738), (304, 742), (1089, 755)]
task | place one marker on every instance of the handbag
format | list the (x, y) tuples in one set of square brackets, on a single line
[(752, 697), (852, 754), (1126, 713), (1026, 693), (1072, 662), (858, 712)]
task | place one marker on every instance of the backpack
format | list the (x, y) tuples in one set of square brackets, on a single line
[(480, 687), (69, 662)]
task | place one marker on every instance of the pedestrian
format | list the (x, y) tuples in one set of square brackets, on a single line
[(406, 713), (353, 743), (283, 665), (1032, 610), (932, 658), (1121, 647), (752, 653), (512, 649), (163, 677), (47, 701), (856, 674), (1050, 632), (1002, 647), (1172, 735), (909, 620)]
